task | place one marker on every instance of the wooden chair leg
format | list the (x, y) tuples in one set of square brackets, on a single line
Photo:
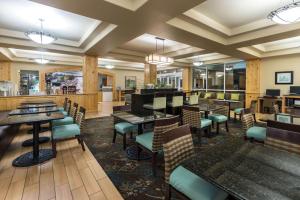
[(131, 135), (54, 148), (199, 133), (240, 115), (138, 151), (213, 124), (254, 117), (154, 160), (226, 124), (124, 141), (168, 192), (114, 137), (218, 127), (234, 116)]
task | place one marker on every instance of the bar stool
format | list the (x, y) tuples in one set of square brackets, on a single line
[(177, 102), (159, 103)]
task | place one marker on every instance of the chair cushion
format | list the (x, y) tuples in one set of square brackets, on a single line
[(256, 132), (65, 113), (61, 108), (64, 121), (125, 127), (65, 131), (145, 140), (207, 95), (205, 123), (195, 187), (235, 97), (218, 118), (220, 95), (238, 110)]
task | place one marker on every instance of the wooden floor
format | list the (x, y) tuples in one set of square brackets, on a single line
[(104, 109), (73, 174)]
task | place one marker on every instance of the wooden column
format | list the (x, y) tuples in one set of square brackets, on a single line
[(5, 68), (252, 81), (90, 79), (187, 79), (150, 73)]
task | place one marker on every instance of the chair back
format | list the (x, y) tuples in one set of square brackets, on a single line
[(247, 121), (177, 99), (127, 99), (159, 101), (73, 110), (80, 117), (276, 108), (223, 110), (178, 146), (194, 99), (253, 106), (160, 127), (191, 116), (68, 107), (65, 103)]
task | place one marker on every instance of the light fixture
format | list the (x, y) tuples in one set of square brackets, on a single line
[(198, 62), (229, 67), (41, 60), (109, 66), (40, 36), (156, 59), (287, 14)]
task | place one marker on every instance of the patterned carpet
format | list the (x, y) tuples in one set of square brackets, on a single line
[(133, 178)]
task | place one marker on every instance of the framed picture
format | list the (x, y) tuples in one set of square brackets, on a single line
[(130, 82), (286, 77)]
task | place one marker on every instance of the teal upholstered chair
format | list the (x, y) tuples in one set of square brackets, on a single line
[(253, 132), (123, 128), (220, 116), (176, 103), (66, 112), (239, 111), (68, 119), (64, 105), (69, 131), (192, 117), (159, 103), (152, 141), (178, 147)]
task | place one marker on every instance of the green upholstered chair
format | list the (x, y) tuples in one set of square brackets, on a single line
[(66, 112), (152, 141), (239, 111), (176, 103), (192, 117), (178, 147), (64, 105), (69, 131), (253, 132), (220, 116), (123, 128), (68, 119), (159, 103)]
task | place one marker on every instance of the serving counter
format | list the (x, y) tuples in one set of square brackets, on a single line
[(89, 101)]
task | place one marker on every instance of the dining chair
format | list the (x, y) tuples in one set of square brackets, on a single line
[(159, 103), (64, 105), (152, 141), (68, 119), (69, 131), (66, 112), (178, 147), (176, 103), (123, 128), (253, 132), (239, 111), (192, 117), (193, 99), (220, 116)]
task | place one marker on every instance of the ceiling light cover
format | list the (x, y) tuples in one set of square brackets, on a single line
[(40, 37), (198, 63), (41, 60), (156, 59), (287, 14), (109, 66)]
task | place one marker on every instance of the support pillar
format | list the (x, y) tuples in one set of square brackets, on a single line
[(187, 79), (5, 69), (252, 81)]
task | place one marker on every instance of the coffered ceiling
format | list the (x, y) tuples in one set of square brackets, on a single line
[(125, 30)]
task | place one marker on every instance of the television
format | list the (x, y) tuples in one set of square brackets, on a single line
[(273, 92), (294, 89)]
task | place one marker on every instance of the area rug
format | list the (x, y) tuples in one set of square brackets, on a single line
[(133, 178)]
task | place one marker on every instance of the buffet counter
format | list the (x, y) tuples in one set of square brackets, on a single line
[(89, 101)]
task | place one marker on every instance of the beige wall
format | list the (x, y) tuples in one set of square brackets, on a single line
[(120, 77), (283, 63)]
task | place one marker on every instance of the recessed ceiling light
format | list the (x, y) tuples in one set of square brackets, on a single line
[(287, 14), (198, 63), (109, 66)]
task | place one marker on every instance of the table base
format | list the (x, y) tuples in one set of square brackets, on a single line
[(29, 142), (26, 160), (132, 153)]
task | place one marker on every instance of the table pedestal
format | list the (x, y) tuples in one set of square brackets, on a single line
[(29, 142)]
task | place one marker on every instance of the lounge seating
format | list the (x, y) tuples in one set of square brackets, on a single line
[(69, 131), (253, 132), (220, 116), (68, 119), (152, 141), (252, 109), (159, 103), (178, 147), (176, 103), (192, 117), (193, 99), (123, 128)]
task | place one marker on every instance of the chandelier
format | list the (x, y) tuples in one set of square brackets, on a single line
[(156, 59), (40, 36), (287, 14)]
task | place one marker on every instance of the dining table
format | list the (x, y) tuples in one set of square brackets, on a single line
[(248, 171), (207, 108), (228, 102), (138, 120), (37, 101), (42, 105), (37, 155)]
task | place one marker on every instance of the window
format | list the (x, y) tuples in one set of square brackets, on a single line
[(215, 77), (199, 77), (170, 78), (235, 76)]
